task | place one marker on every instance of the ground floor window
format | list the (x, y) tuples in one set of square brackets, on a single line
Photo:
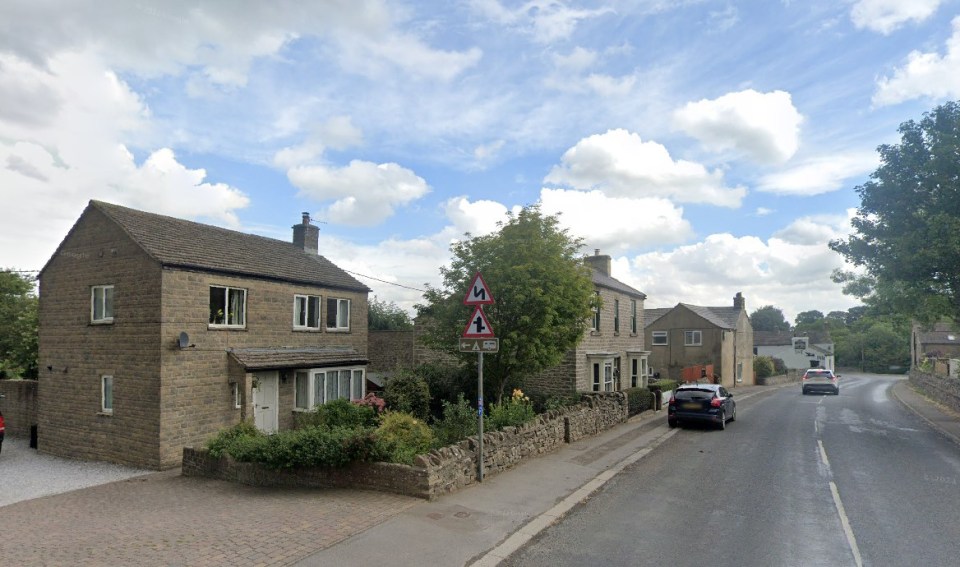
[(603, 376), (321, 385), (639, 371), (106, 394)]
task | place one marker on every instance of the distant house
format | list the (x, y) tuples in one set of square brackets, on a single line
[(690, 335), (611, 355), (939, 341), (156, 332), (813, 350)]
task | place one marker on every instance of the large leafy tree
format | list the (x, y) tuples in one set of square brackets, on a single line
[(769, 318), (543, 291), (907, 229), (18, 325), (387, 316)]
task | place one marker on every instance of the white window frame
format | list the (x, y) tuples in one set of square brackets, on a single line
[(341, 322), (633, 316), (106, 394), (327, 384), (595, 320), (660, 335), (635, 372), (692, 337), (105, 290), (235, 391), (227, 294), (301, 312), (616, 315), (603, 379)]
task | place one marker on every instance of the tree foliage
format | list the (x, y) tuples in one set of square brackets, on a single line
[(907, 228), (769, 318), (807, 318), (19, 322), (543, 291), (387, 316)]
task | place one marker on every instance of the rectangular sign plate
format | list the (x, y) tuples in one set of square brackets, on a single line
[(479, 345)]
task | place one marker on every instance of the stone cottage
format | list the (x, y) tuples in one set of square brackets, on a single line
[(156, 332)]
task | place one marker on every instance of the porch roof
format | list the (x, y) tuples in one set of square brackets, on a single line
[(274, 358)]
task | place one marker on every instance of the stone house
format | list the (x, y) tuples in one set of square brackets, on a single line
[(814, 350), (938, 341), (156, 332), (690, 335), (611, 355)]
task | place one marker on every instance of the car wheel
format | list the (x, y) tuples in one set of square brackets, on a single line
[(672, 423), (723, 421), (804, 391), (836, 392), (733, 417)]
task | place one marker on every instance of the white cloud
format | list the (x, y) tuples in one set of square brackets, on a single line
[(476, 218), (885, 16), (364, 193), (620, 164), (924, 75), (545, 20), (763, 211), (816, 229), (763, 126), (67, 151), (627, 223), (487, 152), (821, 174), (338, 133)]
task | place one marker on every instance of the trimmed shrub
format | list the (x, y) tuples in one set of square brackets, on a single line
[(663, 385), (459, 421), (543, 403), (408, 393), (639, 400), (779, 366), (222, 441), (762, 367), (338, 413), (401, 437), (516, 410)]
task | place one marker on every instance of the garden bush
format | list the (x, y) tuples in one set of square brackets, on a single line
[(762, 367), (513, 411), (779, 366), (402, 436), (338, 413), (408, 393), (307, 447), (227, 437), (459, 421), (662, 385), (639, 400)]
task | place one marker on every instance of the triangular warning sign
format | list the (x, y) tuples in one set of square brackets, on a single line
[(478, 327), (478, 293)]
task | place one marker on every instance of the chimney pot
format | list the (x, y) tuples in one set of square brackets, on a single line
[(306, 235), (306, 217)]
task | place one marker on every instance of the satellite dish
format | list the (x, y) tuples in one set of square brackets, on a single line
[(184, 340)]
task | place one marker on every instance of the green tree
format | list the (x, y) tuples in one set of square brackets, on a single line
[(19, 322), (544, 295), (907, 228), (807, 319), (769, 318), (387, 316)]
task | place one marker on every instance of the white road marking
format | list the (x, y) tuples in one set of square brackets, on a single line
[(847, 530), (880, 393), (823, 454)]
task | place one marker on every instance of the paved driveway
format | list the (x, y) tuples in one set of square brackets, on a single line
[(26, 473), (162, 518)]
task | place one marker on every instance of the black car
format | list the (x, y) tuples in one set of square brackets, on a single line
[(704, 403)]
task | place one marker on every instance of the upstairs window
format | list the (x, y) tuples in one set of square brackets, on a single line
[(659, 337), (595, 323), (692, 338), (101, 304), (338, 314), (616, 315), (633, 316), (228, 306), (306, 311)]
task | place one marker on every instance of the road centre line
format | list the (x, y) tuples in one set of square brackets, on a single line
[(838, 504)]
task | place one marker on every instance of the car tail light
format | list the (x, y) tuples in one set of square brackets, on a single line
[(2, 426), (672, 402), (716, 402)]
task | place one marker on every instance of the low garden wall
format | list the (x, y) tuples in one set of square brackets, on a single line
[(440, 471), (943, 389), (790, 376)]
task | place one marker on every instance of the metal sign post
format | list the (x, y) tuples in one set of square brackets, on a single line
[(478, 337)]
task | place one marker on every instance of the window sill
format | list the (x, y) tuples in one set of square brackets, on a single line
[(307, 330), (105, 413), (226, 328), (102, 322), (338, 330)]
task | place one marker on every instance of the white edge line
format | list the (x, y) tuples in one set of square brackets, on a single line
[(847, 530), (532, 528)]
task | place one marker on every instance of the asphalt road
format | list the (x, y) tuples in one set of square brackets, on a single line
[(854, 479)]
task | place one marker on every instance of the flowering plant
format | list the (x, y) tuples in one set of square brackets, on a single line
[(516, 410), (372, 401)]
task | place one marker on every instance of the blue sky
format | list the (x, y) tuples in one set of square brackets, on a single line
[(709, 147)]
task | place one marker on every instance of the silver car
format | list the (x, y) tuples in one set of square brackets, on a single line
[(820, 380)]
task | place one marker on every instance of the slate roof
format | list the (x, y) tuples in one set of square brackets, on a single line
[(302, 357), (772, 338), (186, 244), (941, 334), (603, 280), (722, 317)]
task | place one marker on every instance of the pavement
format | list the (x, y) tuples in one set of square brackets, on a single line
[(167, 519)]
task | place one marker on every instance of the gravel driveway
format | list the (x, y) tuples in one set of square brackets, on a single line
[(26, 473)]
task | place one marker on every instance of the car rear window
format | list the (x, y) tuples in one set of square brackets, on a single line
[(819, 373), (693, 394)]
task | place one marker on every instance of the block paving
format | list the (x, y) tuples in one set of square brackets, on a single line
[(167, 519)]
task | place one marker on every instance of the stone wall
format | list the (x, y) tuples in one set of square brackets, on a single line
[(792, 375), (390, 350), (943, 389), (440, 471), (19, 406)]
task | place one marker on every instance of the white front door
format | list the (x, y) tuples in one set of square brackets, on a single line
[(265, 400)]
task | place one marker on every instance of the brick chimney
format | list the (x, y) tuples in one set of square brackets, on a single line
[(306, 235), (598, 262), (739, 302)]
